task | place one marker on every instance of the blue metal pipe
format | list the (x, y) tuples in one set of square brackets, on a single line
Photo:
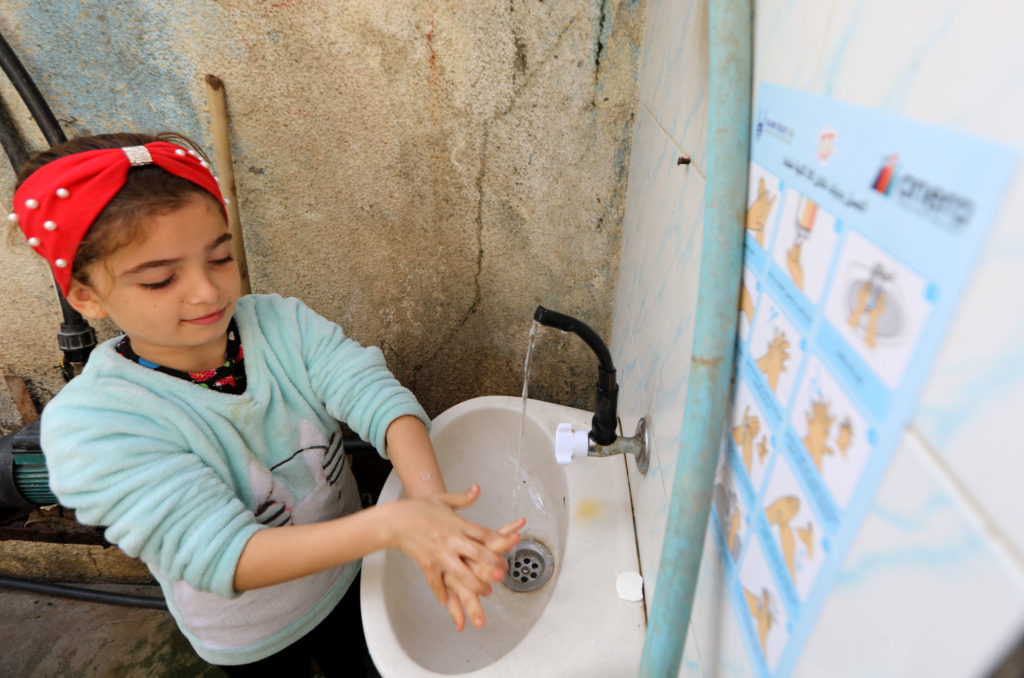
[(707, 395)]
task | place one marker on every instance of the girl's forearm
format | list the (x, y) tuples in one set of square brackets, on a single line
[(280, 554), (410, 450)]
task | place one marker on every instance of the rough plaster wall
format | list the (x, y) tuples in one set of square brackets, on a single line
[(423, 173)]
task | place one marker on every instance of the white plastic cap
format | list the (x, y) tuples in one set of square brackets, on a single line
[(570, 443)]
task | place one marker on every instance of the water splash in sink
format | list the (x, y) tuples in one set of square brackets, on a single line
[(522, 425)]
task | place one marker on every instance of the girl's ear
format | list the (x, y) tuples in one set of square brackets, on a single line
[(85, 300)]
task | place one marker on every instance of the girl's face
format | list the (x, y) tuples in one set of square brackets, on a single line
[(173, 292)]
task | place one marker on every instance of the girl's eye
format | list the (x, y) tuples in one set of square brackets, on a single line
[(224, 260), (158, 285)]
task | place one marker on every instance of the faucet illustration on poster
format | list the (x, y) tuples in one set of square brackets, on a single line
[(859, 238)]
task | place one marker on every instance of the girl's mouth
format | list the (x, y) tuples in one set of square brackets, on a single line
[(208, 319)]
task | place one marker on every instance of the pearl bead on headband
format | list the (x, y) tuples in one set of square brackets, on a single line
[(56, 204)]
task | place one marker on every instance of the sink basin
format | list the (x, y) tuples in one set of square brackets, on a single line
[(581, 513)]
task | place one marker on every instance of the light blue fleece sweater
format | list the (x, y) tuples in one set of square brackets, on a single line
[(182, 476)]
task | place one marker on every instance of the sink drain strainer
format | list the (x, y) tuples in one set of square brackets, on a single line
[(529, 567)]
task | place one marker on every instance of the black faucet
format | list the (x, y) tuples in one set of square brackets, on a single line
[(605, 421)]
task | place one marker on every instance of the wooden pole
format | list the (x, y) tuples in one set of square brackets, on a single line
[(22, 400), (226, 174)]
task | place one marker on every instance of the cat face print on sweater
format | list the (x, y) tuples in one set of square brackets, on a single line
[(313, 484), (318, 462)]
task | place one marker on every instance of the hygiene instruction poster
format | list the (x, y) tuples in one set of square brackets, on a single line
[(862, 229)]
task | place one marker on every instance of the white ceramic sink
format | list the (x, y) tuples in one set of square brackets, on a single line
[(575, 624)]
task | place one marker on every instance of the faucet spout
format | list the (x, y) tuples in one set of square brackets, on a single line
[(605, 421)]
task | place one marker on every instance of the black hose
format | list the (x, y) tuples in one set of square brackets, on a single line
[(30, 94), (89, 595), (76, 338), (11, 139)]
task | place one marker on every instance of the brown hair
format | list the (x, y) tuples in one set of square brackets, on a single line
[(149, 190)]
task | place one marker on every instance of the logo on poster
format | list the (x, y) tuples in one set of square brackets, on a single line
[(826, 144), (773, 127), (935, 203)]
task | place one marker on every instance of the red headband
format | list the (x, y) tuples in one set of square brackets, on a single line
[(57, 203)]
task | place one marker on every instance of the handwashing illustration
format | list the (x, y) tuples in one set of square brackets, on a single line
[(806, 537), (880, 306), (746, 302), (807, 211), (751, 434), (761, 609), (762, 450), (845, 437), (727, 504), (750, 290), (791, 518), (758, 211), (773, 362), (744, 436), (874, 309), (832, 430), (780, 513), (806, 243), (819, 423), (764, 602)]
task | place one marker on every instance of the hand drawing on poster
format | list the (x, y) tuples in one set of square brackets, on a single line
[(777, 349), (797, 532), (751, 435), (879, 306), (732, 513), (765, 611), (805, 244), (833, 432), (750, 290), (762, 204)]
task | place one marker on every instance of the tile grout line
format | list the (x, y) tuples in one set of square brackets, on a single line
[(999, 540), (668, 135), (636, 539)]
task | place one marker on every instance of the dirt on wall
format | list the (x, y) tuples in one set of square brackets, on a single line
[(423, 173)]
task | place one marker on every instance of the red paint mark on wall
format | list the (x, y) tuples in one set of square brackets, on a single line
[(434, 76), (430, 45)]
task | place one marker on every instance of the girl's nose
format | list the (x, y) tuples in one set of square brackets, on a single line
[(203, 288)]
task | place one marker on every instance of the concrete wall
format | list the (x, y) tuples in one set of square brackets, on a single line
[(423, 173), (934, 582)]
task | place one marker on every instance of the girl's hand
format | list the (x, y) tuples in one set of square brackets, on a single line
[(459, 599), (453, 552)]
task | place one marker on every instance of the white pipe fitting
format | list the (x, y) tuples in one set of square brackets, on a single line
[(570, 444)]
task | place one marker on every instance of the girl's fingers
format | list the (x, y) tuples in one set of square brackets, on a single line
[(476, 613), (460, 573), (477, 533), (454, 606), (489, 573), (509, 528), (434, 580), (473, 551), (485, 536), (461, 499), (503, 544), (466, 600)]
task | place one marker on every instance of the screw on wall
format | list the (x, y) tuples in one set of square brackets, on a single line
[(683, 160)]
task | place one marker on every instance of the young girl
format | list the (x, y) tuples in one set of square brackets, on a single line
[(206, 439)]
